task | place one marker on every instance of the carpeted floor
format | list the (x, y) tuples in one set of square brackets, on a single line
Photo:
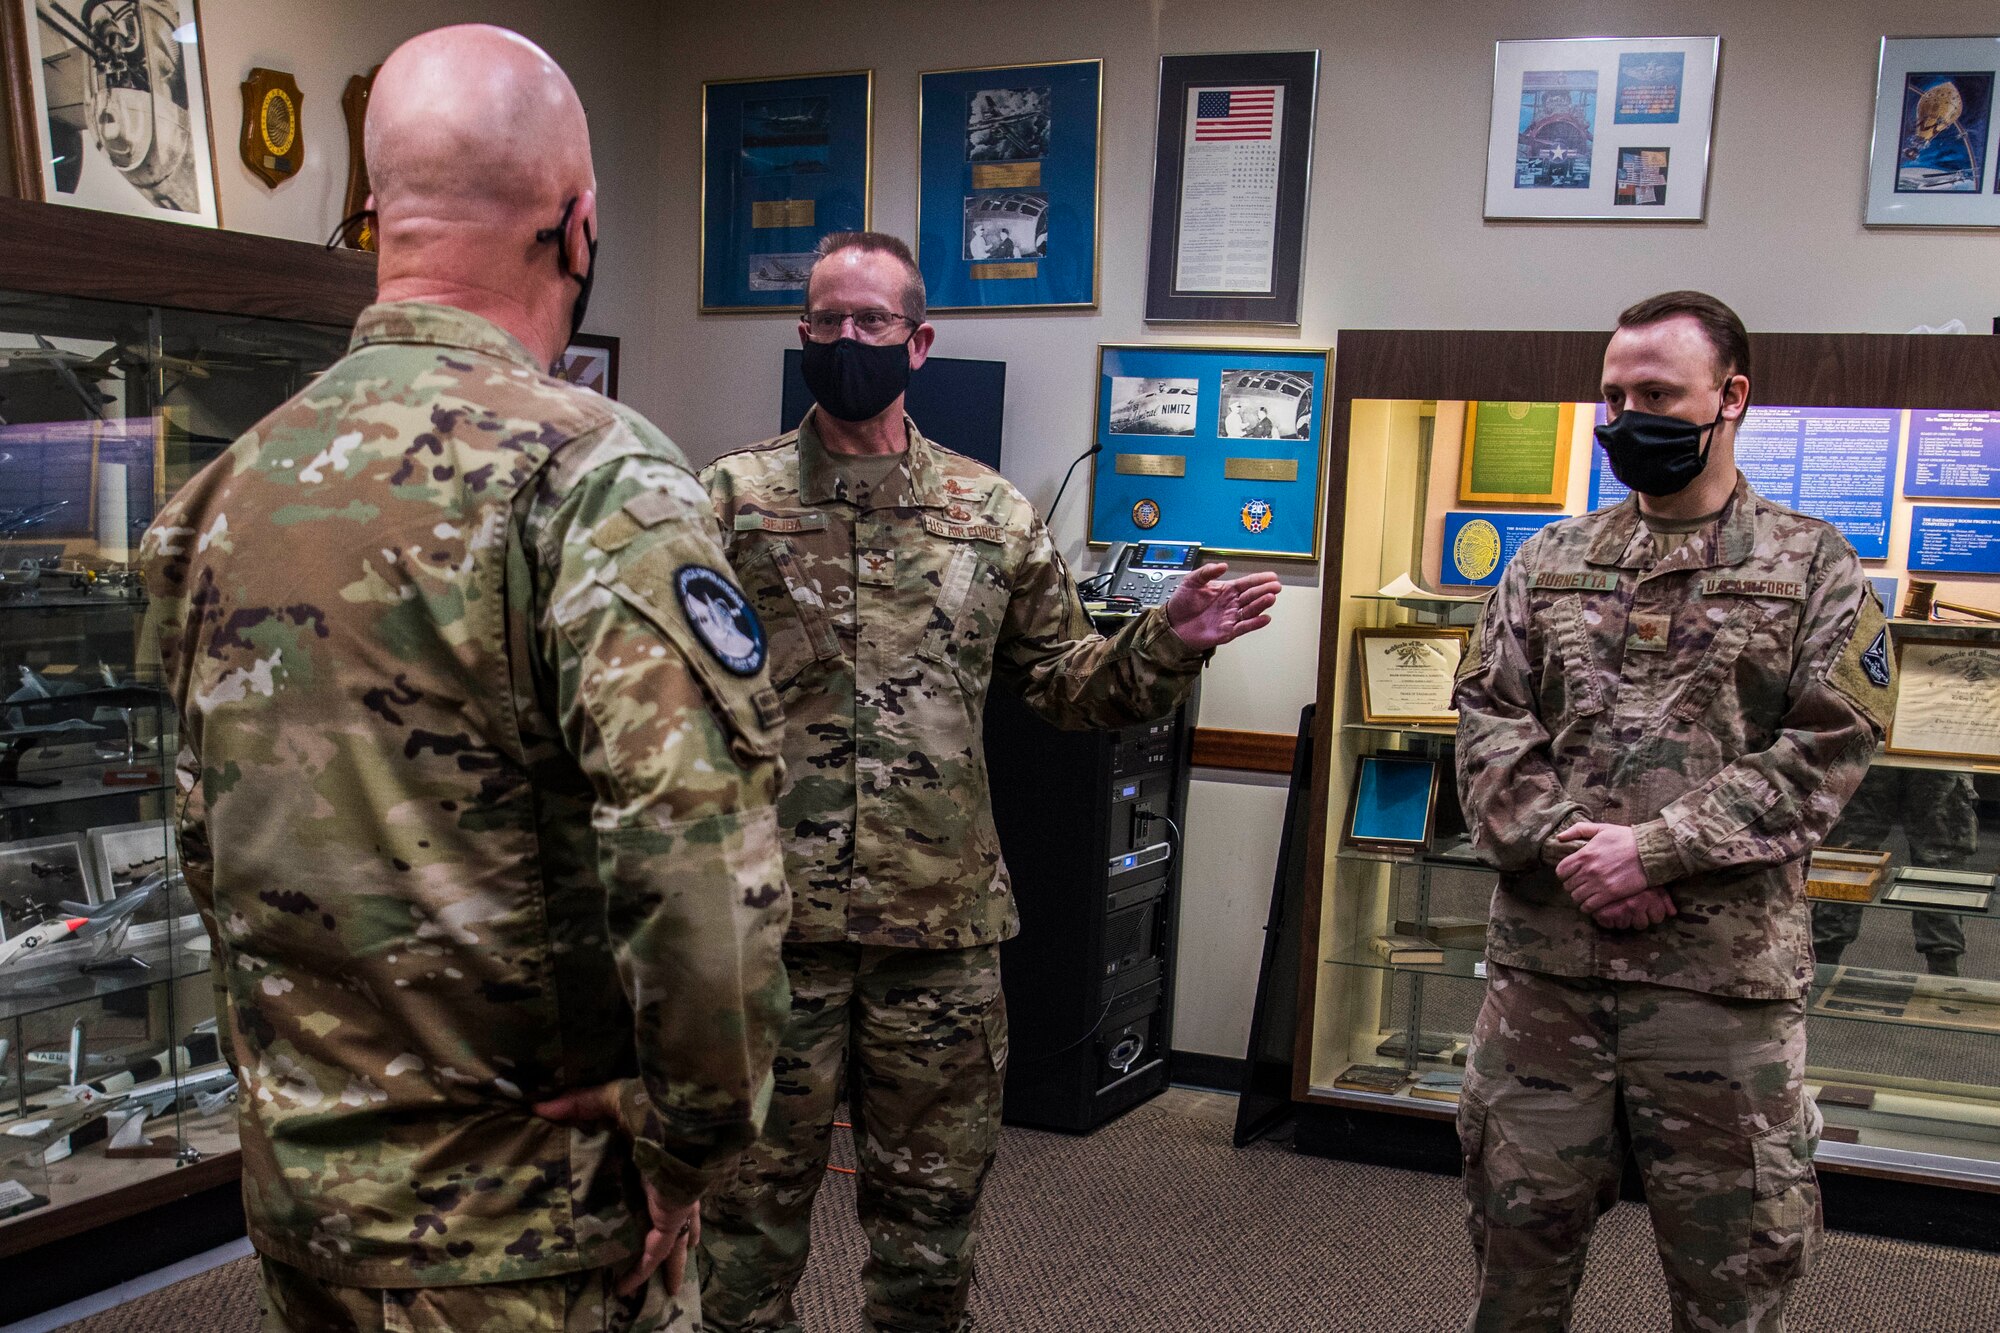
[(1156, 1224)]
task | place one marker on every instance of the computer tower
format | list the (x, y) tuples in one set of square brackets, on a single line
[(1090, 827)]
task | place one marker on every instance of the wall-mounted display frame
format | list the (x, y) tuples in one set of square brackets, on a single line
[(1008, 189), (591, 362), (1934, 160), (88, 132), (1220, 445), (1407, 672), (1947, 698), (1602, 129), (1392, 803), (784, 162), (273, 145), (1232, 171), (1516, 453)]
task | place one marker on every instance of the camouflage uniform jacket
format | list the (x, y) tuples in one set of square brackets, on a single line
[(888, 618), (1724, 703), (476, 814)]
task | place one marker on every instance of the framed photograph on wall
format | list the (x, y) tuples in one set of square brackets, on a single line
[(107, 107), (783, 163), (591, 362), (1602, 129), (1232, 166), (1217, 445), (1934, 161), (38, 874), (1007, 185)]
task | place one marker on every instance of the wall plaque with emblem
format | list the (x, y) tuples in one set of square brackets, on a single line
[(274, 142), (358, 233)]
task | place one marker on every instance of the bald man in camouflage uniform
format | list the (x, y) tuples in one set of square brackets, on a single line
[(896, 584), (1664, 708), (478, 818)]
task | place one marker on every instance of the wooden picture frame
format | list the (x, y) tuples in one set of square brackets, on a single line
[(76, 137), (1430, 664), (1977, 696), (1476, 484)]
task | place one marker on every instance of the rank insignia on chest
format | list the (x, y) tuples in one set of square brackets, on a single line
[(875, 565), (1648, 632), (958, 513)]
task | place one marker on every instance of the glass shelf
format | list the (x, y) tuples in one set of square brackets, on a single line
[(54, 986), (74, 601), (1457, 963), (1412, 728), (1433, 860)]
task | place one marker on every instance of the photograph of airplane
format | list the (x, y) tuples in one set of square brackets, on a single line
[(1266, 404), (786, 160), (781, 273), (788, 122), (1007, 125), (1153, 407)]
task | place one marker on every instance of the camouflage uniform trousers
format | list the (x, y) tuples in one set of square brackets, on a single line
[(1940, 813), (587, 1302), (1714, 1111), (918, 1038)]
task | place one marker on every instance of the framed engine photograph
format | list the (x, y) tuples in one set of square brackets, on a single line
[(783, 163), (1232, 163), (108, 107), (1007, 185), (1216, 445), (1602, 129), (1934, 161)]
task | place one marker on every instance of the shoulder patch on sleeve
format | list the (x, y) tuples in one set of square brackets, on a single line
[(721, 618), (1866, 670)]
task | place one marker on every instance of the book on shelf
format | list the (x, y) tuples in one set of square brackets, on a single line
[(1430, 1046), (1439, 1085), (1372, 1078), (1407, 950)]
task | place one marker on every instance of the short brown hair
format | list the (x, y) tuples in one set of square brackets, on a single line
[(881, 243), (1726, 334)]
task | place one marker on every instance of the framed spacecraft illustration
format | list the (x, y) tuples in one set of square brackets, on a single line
[(1934, 161), (107, 107)]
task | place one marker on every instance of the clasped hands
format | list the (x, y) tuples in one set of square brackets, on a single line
[(1604, 877)]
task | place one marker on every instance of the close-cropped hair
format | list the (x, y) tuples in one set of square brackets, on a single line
[(915, 299), (1725, 331)]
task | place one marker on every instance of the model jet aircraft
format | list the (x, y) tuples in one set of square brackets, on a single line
[(106, 922)]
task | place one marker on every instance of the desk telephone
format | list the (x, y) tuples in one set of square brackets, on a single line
[(1148, 572)]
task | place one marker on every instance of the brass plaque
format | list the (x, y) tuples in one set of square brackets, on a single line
[(983, 272), (1007, 176), (781, 213), (273, 135), (1152, 465), (1260, 469)]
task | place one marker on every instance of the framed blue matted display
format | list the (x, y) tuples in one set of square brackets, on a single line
[(783, 163), (1217, 445), (1007, 185), (1392, 803)]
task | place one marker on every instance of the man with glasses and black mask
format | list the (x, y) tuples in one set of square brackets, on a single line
[(480, 769), (896, 579), (1663, 710)]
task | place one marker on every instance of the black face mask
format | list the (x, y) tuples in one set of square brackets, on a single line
[(1657, 455), (856, 381), (560, 235)]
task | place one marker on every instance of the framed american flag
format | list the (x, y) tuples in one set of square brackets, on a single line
[(1232, 167)]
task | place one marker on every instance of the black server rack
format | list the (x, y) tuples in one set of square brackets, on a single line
[(1089, 827)]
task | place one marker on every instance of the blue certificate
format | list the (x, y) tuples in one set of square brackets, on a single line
[(1217, 445), (1953, 456), (1478, 544), (784, 162), (1007, 185), (1954, 540)]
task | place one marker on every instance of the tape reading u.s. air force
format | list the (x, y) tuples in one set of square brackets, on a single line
[(943, 527), (1590, 580), (721, 618), (1791, 590)]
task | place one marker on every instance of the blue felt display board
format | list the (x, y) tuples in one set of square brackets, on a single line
[(1170, 401), (1393, 802), (788, 144), (1479, 543), (1953, 455), (1948, 539), (1835, 463), (1008, 164)]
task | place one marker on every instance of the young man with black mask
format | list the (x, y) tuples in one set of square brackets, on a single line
[(1663, 710), (896, 579)]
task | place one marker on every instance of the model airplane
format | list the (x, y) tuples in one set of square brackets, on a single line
[(106, 922)]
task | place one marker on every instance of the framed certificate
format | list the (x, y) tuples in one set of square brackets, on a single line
[(1390, 808), (783, 163), (1007, 185), (1516, 453), (1406, 673), (1948, 698), (1232, 161)]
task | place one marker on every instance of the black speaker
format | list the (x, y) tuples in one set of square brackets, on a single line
[(1089, 827)]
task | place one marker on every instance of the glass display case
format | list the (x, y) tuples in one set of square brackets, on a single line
[(113, 1069), (1904, 1012)]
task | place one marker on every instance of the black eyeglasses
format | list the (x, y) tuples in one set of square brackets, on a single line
[(870, 324)]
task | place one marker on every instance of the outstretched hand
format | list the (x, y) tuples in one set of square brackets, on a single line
[(1207, 610), (675, 1229)]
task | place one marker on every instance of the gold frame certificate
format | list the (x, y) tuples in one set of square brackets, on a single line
[(1947, 699), (1407, 673)]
